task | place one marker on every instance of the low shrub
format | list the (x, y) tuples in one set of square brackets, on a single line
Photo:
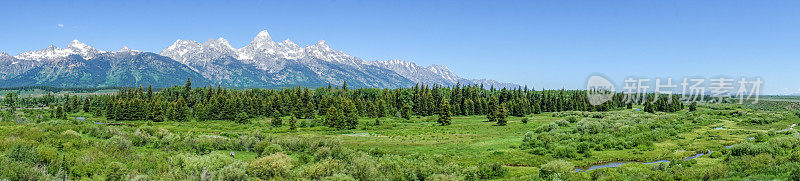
[(556, 170), (493, 170), (339, 177), (749, 148), (234, 171), (322, 169), (562, 122), (70, 134), (117, 171), (276, 165), (272, 149), (119, 143)]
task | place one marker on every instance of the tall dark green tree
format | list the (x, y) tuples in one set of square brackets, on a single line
[(86, 104), (334, 118), (156, 112), (11, 101), (648, 107), (405, 112), (351, 115), (60, 114), (444, 112), (188, 86), (468, 107), (276, 119), (292, 122), (501, 114), (491, 113), (242, 118), (149, 92), (179, 112)]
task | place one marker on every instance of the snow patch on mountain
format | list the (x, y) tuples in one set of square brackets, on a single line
[(264, 60), (181, 50), (126, 50), (55, 53)]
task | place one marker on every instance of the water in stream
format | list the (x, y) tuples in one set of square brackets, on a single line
[(617, 164)]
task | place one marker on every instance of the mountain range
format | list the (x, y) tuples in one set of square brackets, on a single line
[(262, 63)]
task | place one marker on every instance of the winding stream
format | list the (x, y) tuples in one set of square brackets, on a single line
[(84, 119), (617, 164)]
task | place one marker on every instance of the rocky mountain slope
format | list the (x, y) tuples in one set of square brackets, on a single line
[(262, 63)]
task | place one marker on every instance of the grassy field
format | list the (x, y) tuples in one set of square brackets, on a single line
[(468, 142)]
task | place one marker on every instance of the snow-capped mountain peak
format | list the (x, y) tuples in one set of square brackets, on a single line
[(289, 50), (263, 41), (443, 71), (419, 74), (125, 49), (322, 46), (181, 50), (50, 53), (182, 47), (219, 44), (288, 43), (260, 63), (264, 34), (261, 45), (83, 50), (78, 45)]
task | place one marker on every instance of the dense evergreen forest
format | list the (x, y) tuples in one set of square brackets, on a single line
[(336, 104)]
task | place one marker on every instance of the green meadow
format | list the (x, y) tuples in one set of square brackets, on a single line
[(143, 149)]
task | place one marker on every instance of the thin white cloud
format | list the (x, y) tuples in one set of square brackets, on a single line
[(60, 25)]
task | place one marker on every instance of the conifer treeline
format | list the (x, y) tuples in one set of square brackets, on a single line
[(180, 103)]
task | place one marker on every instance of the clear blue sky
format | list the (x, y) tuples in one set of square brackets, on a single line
[(551, 44)]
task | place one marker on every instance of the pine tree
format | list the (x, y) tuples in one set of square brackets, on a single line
[(60, 113), (468, 108), (334, 118), (351, 115), (648, 107), (276, 119), (491, 113), (52, 112), (693, 107), (75, 102), (179, 112), (188, 86), (86, 104), (381, 108), (501, 114), (11, 101), (405, 112), (156, 112), (444, 112), (242, 118), (150, 92), (292, 122)]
